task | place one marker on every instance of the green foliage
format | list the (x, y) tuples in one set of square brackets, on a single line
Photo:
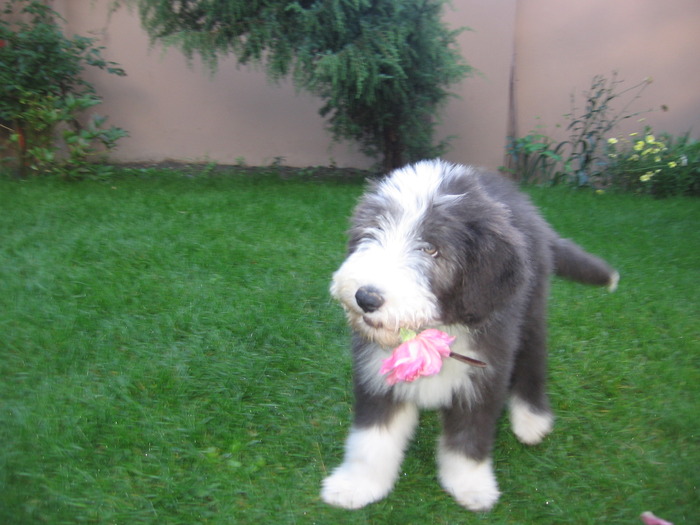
[(660, 166), (169, 355), (382, 67), (42, 93), (581, 159), (385, 79), (589, 128), (533, 158)]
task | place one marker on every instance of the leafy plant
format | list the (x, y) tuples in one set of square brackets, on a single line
[(532, 159), (584, 151), (581, 159), (42, 93), (661, 166)]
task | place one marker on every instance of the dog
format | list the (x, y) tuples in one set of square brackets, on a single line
[(462, 250)]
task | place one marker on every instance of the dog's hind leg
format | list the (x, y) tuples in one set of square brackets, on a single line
[(373, 454), (530, 414)]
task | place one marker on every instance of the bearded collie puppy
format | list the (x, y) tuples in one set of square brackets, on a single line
[(458, 250)]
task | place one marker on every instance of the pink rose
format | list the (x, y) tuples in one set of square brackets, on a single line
[(419, 356), (648, 518)]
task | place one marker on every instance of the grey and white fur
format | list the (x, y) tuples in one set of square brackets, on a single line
[(460, 249)]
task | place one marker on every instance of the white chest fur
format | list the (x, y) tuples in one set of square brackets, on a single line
[(429, 392)]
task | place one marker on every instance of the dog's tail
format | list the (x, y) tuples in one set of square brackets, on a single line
[(572, 262)]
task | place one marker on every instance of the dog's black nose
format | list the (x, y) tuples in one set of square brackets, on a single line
[(369, 299)]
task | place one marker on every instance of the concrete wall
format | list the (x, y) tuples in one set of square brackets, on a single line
[(178, 111)]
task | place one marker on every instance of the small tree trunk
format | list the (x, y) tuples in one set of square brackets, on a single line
[(393, 150)]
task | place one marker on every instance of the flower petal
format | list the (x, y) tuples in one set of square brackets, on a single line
[(420, 356)]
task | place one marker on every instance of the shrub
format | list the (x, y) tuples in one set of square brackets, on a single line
[(532, 158), (661, 166), (42, 93)]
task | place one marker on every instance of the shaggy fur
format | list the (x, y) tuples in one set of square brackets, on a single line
[(436, 245)]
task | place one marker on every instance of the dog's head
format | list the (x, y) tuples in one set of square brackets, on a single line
[(428, 246)]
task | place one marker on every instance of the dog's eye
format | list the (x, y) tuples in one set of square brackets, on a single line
[(430, 249)]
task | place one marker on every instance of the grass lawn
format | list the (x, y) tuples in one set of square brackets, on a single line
[(169, 354)]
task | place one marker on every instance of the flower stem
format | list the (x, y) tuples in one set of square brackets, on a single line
[(468, 360)]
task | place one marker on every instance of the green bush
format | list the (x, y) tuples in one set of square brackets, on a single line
[(533, 158), (661, 166), (42, 94)]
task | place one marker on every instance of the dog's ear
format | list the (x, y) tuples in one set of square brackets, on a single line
[(491, 268)]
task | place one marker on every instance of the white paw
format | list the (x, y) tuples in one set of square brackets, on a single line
[(528, 426), (349, 490), (472, 484), (372, 460)]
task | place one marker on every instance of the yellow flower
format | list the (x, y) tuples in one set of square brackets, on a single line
[(634, 134), (639, 145), (650, 139), (672, 164), (612, 140), (646, 177), (600, 192)]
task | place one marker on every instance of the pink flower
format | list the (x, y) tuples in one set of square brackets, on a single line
[(648, 518), (418, 356)]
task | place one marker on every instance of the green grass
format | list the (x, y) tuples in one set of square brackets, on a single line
[(169, 355)]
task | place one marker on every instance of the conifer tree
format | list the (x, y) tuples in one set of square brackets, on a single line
[(383, 68)]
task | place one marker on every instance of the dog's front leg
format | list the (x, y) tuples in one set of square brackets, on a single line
[(373, 454), (464, 454)]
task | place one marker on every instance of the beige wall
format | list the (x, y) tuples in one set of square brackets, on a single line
[(562, 45), (479, 118), (174, 111)]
